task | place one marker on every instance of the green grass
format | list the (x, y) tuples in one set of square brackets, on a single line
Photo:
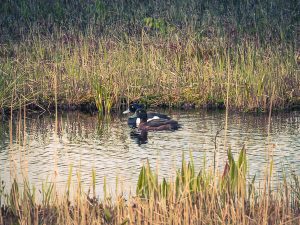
[(264, 20), (162, 53)]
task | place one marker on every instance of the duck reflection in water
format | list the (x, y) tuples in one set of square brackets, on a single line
[(139, 137)]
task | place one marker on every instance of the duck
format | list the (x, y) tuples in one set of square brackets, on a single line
[(133, 121), (154, 124)]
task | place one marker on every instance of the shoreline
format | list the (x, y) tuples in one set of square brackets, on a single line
[(90, 108)]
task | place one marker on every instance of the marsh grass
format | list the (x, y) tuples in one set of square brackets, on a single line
[(64, 53), (106, 53), (191, 197), (188, 196), (158, 72)]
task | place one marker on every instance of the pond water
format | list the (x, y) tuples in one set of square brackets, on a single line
[(83, 142)]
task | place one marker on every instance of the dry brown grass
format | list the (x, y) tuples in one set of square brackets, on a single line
[(191, 198)]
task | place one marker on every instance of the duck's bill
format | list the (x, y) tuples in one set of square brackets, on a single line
[(127, 111)]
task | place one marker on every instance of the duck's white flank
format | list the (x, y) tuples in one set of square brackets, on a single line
[(138, 120)]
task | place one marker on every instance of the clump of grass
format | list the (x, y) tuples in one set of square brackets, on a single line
[(191, 197), (103, 98)]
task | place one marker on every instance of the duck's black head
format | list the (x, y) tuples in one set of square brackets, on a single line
[(142, 115), (133, 107)]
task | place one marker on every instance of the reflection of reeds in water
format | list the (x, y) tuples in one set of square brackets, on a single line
[(191, 197)]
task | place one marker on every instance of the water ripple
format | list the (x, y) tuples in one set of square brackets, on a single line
[(86, 144)]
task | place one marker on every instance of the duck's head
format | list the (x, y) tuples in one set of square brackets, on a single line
[(133, 107)]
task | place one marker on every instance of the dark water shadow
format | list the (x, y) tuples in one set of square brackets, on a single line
[(139, 137)]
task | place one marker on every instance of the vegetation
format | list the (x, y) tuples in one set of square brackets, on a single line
[(191, 198), (102, 53)]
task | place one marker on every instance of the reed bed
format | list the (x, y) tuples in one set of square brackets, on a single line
[(103, 54), (106, 72), (190, 197)]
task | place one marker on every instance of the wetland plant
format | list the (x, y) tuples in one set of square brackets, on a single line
[(68, 53), (204, 197)]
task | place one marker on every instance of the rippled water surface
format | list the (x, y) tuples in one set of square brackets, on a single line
[(83, 143)]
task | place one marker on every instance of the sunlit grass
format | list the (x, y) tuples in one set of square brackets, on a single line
[(191, 197), (170, 72)]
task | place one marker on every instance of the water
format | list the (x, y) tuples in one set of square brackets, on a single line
[(83, 143)]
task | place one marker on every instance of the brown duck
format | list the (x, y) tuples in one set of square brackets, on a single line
[(155, 124)]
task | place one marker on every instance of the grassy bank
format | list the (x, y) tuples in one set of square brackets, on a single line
[(102, 54), (191, 197)]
